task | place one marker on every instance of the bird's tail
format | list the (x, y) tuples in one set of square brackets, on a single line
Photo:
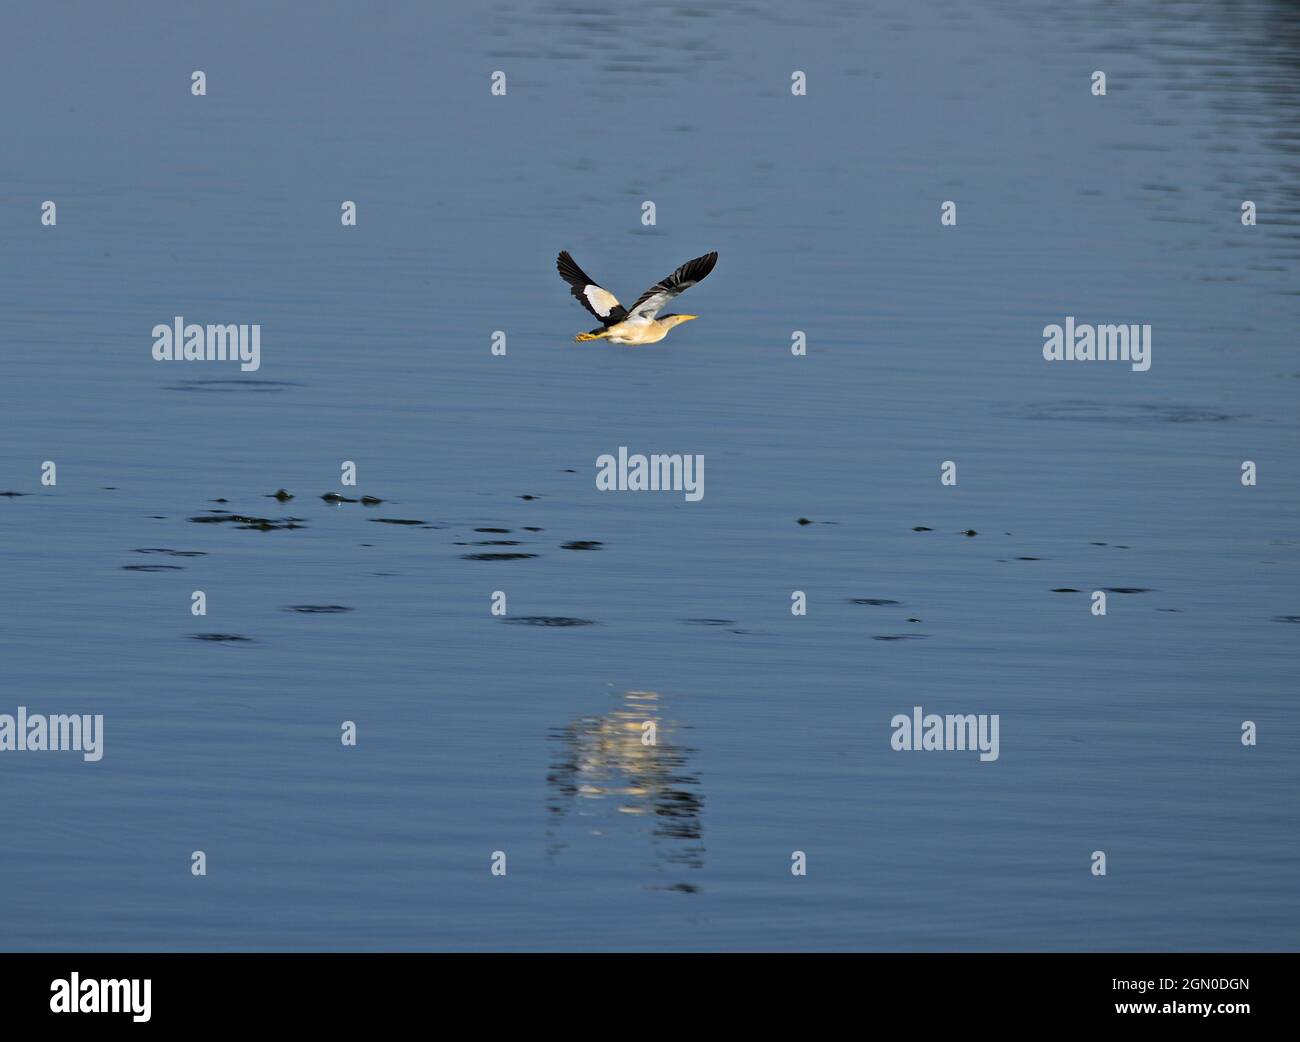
[(595, 334)]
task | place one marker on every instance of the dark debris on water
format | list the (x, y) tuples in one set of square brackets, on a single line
[(338, 497), (244, 521)]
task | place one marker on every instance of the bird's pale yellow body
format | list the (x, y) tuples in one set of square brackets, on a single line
[(637, 333)]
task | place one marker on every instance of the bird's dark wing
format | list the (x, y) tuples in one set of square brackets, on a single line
[(652, 300), (592, 296)]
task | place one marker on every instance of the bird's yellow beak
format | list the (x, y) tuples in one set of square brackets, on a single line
[(687, 318)]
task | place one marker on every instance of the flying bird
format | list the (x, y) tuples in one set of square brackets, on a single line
[(641, 323)]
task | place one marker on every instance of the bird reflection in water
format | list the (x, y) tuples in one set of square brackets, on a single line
[(608, 774)]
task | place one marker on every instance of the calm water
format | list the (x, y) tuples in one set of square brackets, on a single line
[(478, 734)]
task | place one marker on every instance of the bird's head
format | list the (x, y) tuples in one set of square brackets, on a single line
[(677, 320)]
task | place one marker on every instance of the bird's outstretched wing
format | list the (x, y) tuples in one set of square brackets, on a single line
[(651, 302), (592, 296)]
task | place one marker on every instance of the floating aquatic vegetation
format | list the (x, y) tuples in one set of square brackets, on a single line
[(901, 636), (803, 521), (970, 532), (318, 609), (871, 600), (921, 528), (1065, 589), (336, 497), (527, 497), (14, 495), (222, 638), (1128, 589), (493, 531), (582, 544), (709, 622), (283, 495), (397, 521), (170, 553), (152, 568)]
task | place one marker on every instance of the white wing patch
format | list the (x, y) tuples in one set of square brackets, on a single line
[(602, 301)]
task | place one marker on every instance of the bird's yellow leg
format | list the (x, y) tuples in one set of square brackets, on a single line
[(590, 336)]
